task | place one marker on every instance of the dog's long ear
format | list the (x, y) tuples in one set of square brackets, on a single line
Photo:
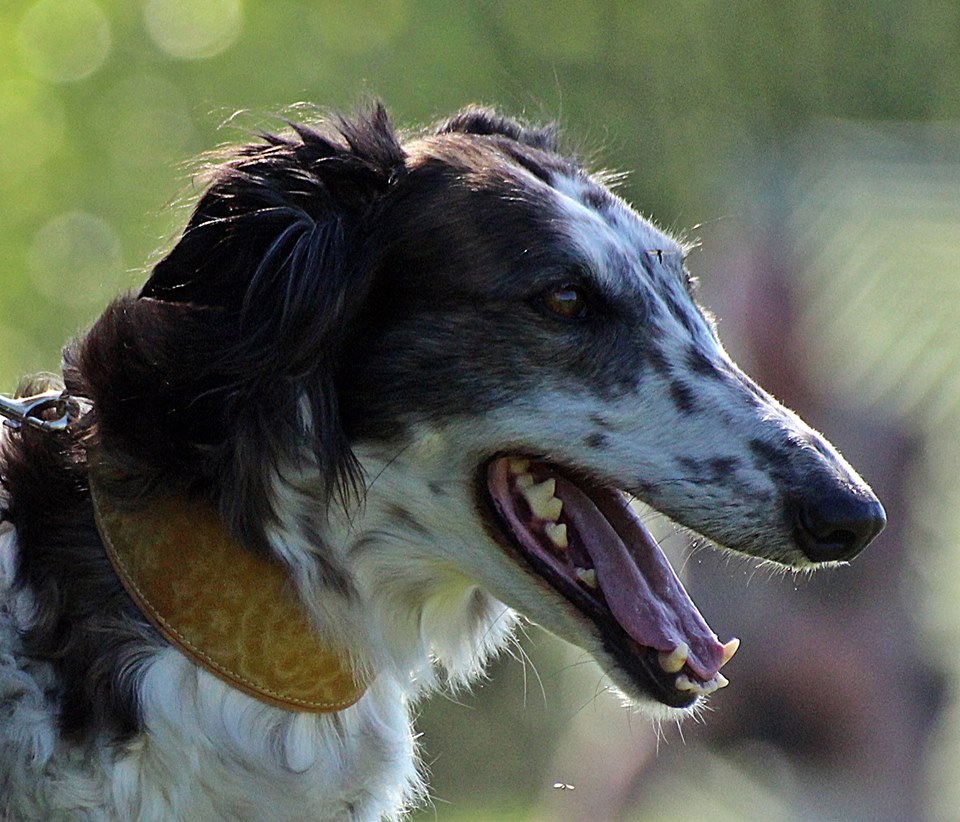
[(271, 242), (230, 348)]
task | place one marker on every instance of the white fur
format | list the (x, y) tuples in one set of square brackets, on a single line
[(429, 588), (210, 752)]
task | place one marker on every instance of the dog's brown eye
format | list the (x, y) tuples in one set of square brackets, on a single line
[(568, 301)]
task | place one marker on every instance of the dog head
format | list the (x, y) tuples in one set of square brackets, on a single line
[(478, 336)]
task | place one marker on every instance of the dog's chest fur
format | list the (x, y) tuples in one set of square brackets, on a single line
[(205, 751)]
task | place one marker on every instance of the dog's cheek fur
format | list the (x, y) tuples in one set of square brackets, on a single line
[(409, 599)]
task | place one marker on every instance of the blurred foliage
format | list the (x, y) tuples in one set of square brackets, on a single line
[(103, 101)]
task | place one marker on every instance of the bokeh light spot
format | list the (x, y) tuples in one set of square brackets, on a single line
[(193, 29), (64, 40), (75, 258)]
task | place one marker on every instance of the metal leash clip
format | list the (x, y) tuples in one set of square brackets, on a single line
[(22, 411)]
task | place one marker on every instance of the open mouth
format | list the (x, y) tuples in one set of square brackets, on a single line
[(585, 540)]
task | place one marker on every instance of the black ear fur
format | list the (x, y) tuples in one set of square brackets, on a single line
[(202, 375), (270, 240)]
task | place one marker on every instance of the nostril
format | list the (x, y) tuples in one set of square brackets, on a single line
[(822, 542), (838, 526)]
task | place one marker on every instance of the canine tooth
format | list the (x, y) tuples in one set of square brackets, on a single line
[(675, 660), (518, 466), (543, 503), (729, 649), (588, 576), (557, 533), (715, 683)]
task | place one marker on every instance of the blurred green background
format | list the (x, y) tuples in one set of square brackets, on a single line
[(815, 150)]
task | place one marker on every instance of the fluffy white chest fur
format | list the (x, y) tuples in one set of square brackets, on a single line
[(207, 752)]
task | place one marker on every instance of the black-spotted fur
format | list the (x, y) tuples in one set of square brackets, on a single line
[(195, 381), (338, 289)]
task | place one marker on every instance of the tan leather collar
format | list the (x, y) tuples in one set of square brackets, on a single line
[(229, 610)]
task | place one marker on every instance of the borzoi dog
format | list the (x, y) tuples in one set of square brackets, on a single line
[(381, 397)]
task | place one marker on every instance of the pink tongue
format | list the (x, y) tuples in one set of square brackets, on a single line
[(641, 589)]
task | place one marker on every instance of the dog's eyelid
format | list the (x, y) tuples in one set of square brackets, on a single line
[(577, 273)]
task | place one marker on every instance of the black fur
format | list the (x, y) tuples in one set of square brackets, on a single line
[(196, 382), (197, 379), (84, 623)]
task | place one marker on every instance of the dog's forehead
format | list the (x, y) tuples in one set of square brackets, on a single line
[(612, 237), (632, 259)]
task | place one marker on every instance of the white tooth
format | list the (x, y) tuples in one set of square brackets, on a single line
[(588, 576), (717, 682), (729, 650), (518, 466), (524, 481), (675, 660), (684, 683), (557, 533), (543, 503)]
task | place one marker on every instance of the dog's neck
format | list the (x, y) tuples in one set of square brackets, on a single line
[(385, 577), (381, 578), (227, 609), (378, 578)]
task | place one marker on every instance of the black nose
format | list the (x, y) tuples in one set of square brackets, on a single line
[(837, 526)]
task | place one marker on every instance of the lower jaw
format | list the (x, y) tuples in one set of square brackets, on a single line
[(638, 672)]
